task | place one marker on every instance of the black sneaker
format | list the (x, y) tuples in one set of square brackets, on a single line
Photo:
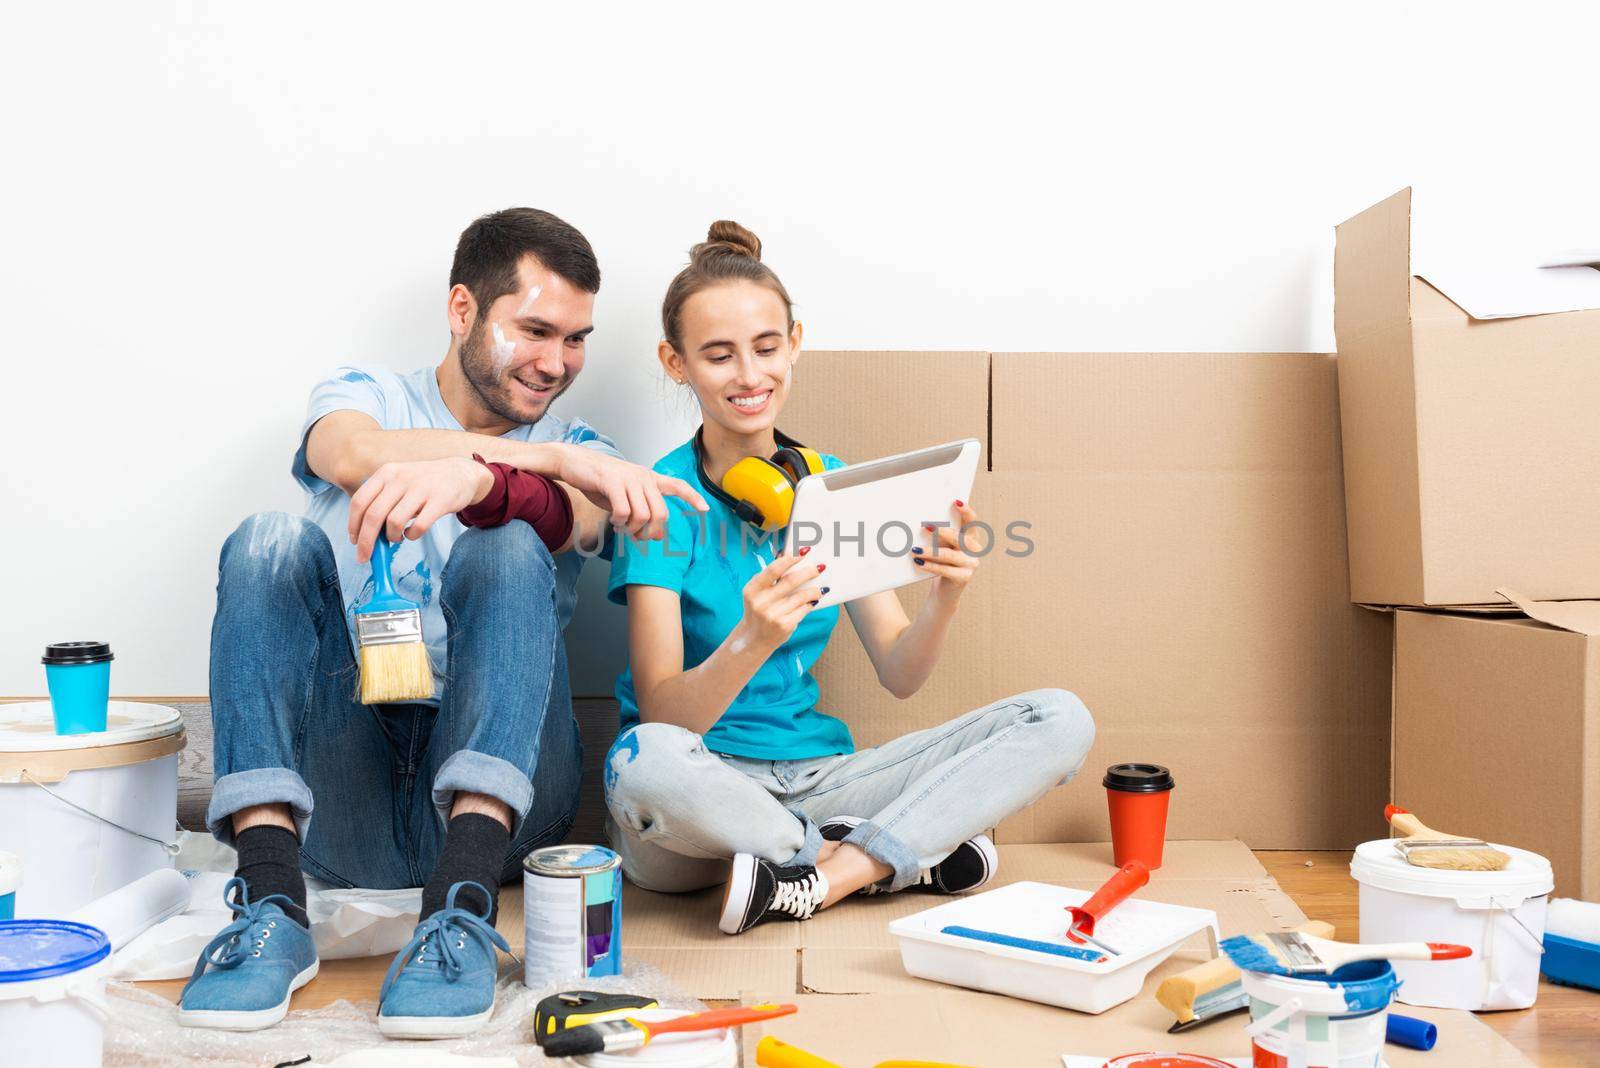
[(759, 890), (971, 864)]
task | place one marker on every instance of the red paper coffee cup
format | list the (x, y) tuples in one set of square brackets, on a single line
[(1138, 796)]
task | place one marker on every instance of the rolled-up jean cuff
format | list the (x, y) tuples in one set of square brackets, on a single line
[(480, 773), (885, 848), (806, 856), (258, 786)]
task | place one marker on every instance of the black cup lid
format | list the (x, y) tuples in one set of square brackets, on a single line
[(76, 653), (1138, 778)]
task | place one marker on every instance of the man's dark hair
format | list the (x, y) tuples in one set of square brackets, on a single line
[(490, 249)]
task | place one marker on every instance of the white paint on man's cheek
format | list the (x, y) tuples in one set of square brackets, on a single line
[(530, 300), (505, 350)]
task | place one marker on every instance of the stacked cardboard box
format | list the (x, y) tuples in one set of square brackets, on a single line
[(1187, 577), (1468, 398)]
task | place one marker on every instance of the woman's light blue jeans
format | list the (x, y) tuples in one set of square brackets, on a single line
[(679, 811)]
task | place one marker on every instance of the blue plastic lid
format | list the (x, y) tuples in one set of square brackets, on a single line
[(39, 949)]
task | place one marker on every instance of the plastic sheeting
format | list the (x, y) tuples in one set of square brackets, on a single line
[(344, 923), (142, 1030)]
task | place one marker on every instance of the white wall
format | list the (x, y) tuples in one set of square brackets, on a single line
[(208, 206)]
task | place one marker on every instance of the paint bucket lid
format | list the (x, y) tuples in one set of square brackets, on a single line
[(1378, 864), (1356, 989), (61, 654), (1138, 778), (40, 949), (29, 727), (10, 873), (570, 860), (1166, 1060), (691, 1049)]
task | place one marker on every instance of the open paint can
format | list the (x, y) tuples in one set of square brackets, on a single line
[(87, 813), (571, 914), (1333, 1021), (52, 992)]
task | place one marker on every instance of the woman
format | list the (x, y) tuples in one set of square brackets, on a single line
[(723, 754)]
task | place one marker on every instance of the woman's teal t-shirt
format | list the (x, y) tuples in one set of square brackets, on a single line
[(707, 560)]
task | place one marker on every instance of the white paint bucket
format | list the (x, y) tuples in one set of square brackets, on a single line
[(10, 879), (87, 813), (691, 1049), (1334, 1021), (52, 992), (1499, 915)]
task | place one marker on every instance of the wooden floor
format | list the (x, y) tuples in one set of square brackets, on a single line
[(1562, 1031)]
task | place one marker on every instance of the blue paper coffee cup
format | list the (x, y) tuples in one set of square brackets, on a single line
[(79, 677)]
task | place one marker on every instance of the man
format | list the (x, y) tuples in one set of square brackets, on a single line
[(451, 793)]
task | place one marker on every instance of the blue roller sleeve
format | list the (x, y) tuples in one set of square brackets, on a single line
[(1412, 1033), (1053, 948)]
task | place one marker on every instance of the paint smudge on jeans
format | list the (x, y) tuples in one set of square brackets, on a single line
[(274, 537), (623, 752)]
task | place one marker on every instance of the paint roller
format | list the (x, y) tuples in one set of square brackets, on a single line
[(1213, 989), (127, 913)]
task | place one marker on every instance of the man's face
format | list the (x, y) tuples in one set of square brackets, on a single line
[(526, 348)]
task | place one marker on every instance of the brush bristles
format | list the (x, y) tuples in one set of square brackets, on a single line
[(1476, 858), (397, 672), (1252, 955)]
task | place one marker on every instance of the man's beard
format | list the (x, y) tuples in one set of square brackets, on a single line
[(478, 366)]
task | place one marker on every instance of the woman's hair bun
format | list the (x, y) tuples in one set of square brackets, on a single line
[(725, 235)]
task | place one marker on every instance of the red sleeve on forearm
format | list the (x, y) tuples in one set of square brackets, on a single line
[(519, 494)]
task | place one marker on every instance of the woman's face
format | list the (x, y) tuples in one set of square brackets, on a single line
[(738, 355)]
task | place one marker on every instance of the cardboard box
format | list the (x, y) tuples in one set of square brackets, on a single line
[(1469, 448), (1497, 730), (1187, 579)]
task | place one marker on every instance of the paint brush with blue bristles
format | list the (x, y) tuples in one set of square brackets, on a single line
[(394, 660), (1294, 953)]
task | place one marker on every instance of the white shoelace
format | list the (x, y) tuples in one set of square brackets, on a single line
[(800, 897)]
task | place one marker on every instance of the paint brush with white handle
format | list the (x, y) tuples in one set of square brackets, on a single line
[(1293, 953)]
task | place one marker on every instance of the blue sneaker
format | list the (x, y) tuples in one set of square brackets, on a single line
[(442, 983), (255, 964)]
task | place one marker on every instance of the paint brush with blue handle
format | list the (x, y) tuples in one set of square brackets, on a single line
[(1292, 953), (394, 660)]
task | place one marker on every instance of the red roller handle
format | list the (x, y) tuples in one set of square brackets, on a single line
[(1117, 889), (1446, 951)]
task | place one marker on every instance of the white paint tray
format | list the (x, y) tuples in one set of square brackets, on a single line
[(1145, 933)]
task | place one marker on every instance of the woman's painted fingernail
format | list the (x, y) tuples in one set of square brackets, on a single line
[(813, 604), (961, 504), (917, 549), (825, 589), (805, 550), (821, 568)]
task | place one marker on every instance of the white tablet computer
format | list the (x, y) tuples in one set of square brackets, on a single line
[(863, 520)]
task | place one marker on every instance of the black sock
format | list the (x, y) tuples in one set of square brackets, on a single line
[(474, 850), (269, 863)]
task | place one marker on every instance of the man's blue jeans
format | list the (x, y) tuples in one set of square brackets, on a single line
[(381, 778)]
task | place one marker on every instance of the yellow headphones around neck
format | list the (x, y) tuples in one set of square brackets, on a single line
[(761, 491)]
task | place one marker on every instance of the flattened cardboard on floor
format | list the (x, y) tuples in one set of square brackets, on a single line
[(1188, 583), (965, 1027), (847, 949), (1497, 731), (1470, 454)]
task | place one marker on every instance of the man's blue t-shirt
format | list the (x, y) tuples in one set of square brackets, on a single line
[(707, 561), (412, 401)]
